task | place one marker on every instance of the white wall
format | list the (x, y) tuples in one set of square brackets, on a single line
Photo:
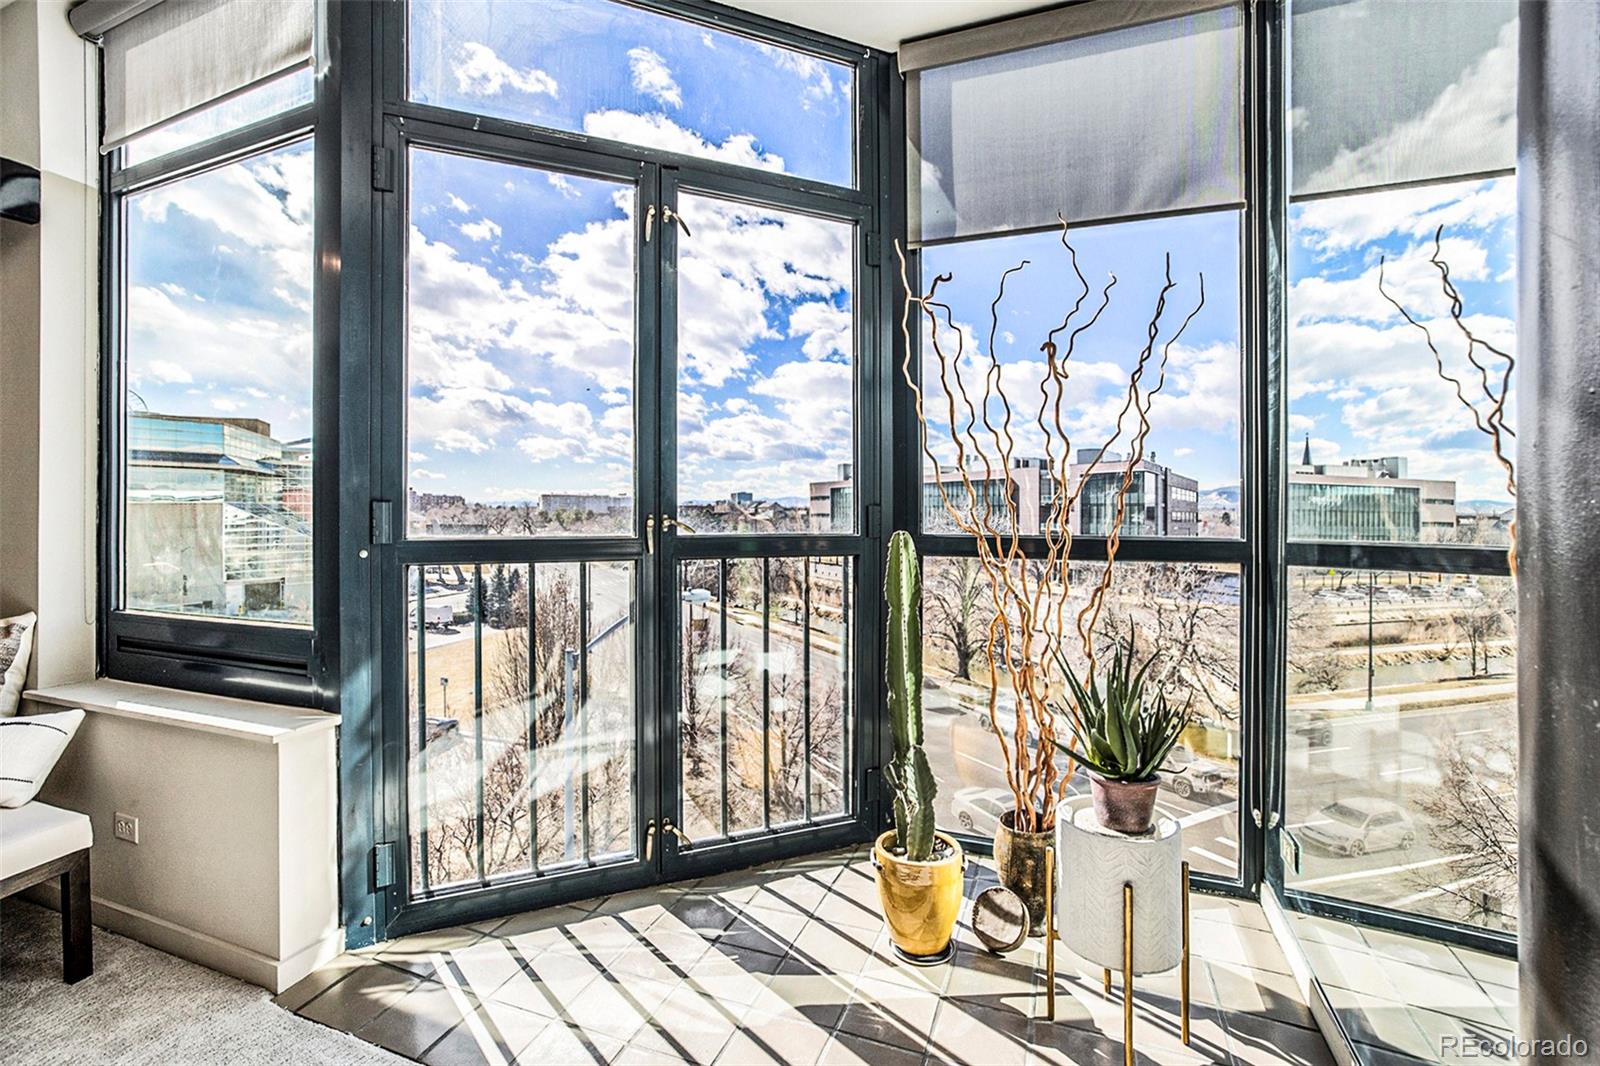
[(49, 340), (236, 866)]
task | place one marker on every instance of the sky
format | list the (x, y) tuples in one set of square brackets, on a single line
[(1195, 416), (1362, 383), (520, 342)]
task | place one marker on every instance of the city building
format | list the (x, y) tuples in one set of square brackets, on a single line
[(218, 514), (1368, 499), (1159, 503)]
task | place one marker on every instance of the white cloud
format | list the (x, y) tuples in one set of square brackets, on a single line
[(659, 131), (563, 184), (1475, 110), (816, 74), (426, 475), (458, 440), (480, 72), (457, 204), (417, 457), (826, 329), (1338, 224), (653, 77), (482, 230)]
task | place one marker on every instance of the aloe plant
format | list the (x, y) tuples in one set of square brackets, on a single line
[(1121, 734), (908, 771)]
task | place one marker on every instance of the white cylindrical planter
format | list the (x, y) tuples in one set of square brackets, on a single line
[(1094, 865)]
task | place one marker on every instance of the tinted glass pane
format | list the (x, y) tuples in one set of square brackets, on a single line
[(765, 712), (1382, 448), (1187, 483), (614, 71), (521, 719), (766, 369), (1185, 616), (218, 392), (520, 310), (265, 100), (1402, 741)]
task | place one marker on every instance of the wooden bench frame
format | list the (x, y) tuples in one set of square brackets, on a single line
[(77, 933)]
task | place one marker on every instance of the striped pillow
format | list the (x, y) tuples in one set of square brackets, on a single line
[(16, 644), (29, 748)]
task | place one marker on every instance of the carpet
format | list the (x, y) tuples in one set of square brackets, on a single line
[(144, 1006)]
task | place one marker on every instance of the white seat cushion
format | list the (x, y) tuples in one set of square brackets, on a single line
[(35, 833)]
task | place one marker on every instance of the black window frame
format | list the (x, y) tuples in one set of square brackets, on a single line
[(1259, 423), (275, 663), (355, 117), (387, 123)]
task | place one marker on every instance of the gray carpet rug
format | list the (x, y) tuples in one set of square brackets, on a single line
[(144, 1006)]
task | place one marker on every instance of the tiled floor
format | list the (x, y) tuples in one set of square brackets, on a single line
[(790, 964), (1404, 1000)]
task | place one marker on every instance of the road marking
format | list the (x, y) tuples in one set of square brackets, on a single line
[(1206, 814), (1330, 751), (1225, 842), (1218, 859), (1473, 732), (1403, 771), (1377, 871), (1439, 891)]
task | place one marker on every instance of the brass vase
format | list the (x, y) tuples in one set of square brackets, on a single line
[(1019, 858), (921, 900)]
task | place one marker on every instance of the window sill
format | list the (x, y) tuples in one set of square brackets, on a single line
[(248, 720)]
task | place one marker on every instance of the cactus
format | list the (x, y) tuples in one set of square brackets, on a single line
[(908, 771)]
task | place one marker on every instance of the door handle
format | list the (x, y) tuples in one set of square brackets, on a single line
[(649, 221), (683, 838), (669, 215), (650, 840), (676, 523), (650, 534)]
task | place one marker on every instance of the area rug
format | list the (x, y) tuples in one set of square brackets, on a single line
[(144, 1006)]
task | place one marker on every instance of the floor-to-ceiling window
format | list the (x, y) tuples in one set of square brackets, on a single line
[(626, 256), (208, 575), (1400, 746), (1127, 271)]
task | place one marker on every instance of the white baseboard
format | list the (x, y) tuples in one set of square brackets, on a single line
[(274, 975)]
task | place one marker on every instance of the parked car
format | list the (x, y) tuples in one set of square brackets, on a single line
[(1361, 826), (1188, 775), (1317, 728), (978, 810)]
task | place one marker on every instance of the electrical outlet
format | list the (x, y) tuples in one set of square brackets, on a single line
[(125, 827)]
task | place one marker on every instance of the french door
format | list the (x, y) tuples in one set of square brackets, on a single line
[(622, 545)]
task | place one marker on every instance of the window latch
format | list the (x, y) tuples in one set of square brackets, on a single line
[(669, 215), (649, 221)]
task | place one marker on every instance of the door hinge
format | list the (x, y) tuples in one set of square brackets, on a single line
[(383, 869), (874, 254), (382, 531), (382, 169)]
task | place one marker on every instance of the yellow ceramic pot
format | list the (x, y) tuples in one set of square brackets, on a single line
[(921, 900)]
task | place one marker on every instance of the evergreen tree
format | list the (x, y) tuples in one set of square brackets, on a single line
[(499, 599)]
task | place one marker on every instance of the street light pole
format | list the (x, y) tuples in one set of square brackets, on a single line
[(1371, 579)]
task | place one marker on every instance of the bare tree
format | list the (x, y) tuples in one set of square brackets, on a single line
[(1479, 624), (956, 611), (1472, 817)]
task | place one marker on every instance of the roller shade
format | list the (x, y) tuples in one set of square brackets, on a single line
[(1390, 92), (1120, 118), (165, 60)]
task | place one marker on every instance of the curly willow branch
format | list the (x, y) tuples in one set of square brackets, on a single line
[(1026, 634), (1496, 392)]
